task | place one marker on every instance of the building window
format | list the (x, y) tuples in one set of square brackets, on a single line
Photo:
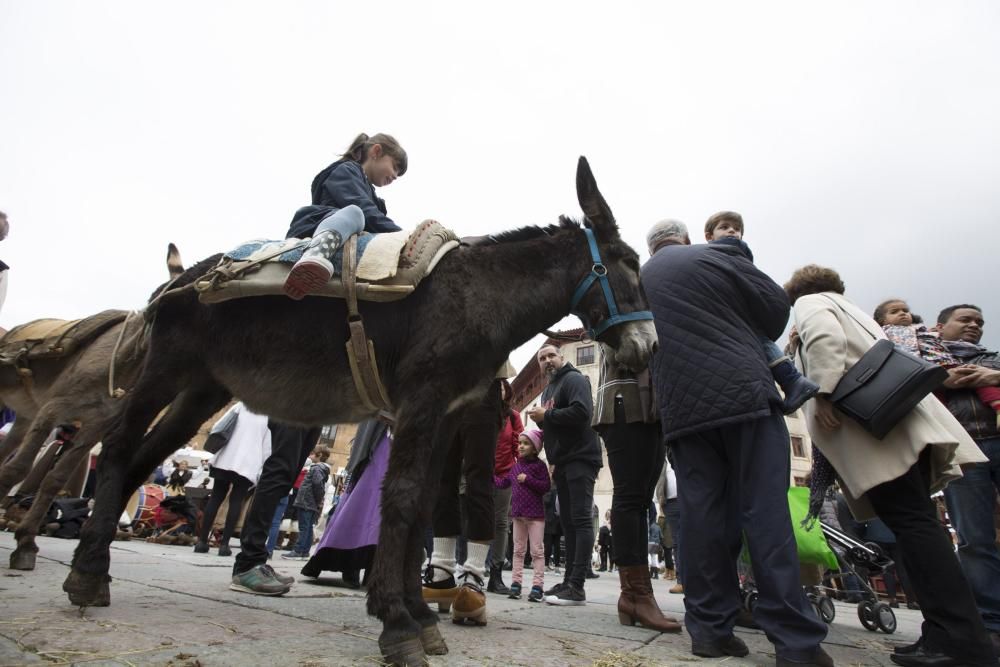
[(584, 355), (329, 432), (798, 447), (800, 481)]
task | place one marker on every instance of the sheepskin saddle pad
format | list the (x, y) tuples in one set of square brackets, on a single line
[(389, 266)]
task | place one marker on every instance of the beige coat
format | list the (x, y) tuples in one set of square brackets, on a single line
[(832, 342)]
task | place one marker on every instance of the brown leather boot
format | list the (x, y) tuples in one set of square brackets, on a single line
[(636, 603)]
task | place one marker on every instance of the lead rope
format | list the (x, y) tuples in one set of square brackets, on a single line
[(112, 391)]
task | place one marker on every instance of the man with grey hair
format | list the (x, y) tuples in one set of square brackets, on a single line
[(667, 232), (721, 413)]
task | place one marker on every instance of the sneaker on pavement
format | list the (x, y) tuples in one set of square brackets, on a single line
[(555, 589), (283, 578), (570, 596), (536, 594), (515, 591), (259, 580), (294, 555)]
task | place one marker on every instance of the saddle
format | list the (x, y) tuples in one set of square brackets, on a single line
[(388, 267), (51, 338)]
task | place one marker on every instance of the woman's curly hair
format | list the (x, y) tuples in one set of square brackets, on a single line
[(813, 279)]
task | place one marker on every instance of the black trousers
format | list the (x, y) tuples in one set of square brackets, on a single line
[(636, 453), (464, 504), (733, 481), (290, 447), (575, 491), (952, 624), (552, 548), (226, 483)]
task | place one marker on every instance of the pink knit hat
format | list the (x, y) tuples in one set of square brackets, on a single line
[(535, 436)]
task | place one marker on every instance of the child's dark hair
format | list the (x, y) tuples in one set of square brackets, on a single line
[(729, 216), (879, 314), (359, 149)]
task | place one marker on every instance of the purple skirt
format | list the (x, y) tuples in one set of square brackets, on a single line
[(350, 537)]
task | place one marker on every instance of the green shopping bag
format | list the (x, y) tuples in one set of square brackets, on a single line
[(811, 543)]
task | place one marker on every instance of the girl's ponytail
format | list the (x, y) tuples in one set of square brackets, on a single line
[(356, 151)]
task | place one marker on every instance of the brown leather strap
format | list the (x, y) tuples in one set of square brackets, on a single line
[(348, 276)]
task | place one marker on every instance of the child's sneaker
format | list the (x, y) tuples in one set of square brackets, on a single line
[(515, 591), (536, 594), (569, 596), (797, 393)]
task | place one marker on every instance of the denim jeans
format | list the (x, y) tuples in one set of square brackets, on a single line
[(971, 505), (279, 515), (305, 531)]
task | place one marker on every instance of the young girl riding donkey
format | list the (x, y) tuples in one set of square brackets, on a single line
[(344, 203)]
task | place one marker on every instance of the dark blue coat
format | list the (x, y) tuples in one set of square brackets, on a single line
[(339, 185), (710, 304)]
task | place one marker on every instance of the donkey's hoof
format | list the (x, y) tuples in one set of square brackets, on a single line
[(88, 590), (432, 641), (23, 559), (404, 652)]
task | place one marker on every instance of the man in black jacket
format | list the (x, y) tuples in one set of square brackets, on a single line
[(571, 446), (971, 498), (722, 415)]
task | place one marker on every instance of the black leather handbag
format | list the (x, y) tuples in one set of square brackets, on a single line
[(885, 385)]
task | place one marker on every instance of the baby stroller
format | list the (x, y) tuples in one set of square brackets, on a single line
[(862, 559)]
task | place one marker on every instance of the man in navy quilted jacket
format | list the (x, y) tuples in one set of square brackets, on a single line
[(722, 416)]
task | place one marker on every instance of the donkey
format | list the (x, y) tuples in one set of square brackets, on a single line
[(64, 389), (438, 351)]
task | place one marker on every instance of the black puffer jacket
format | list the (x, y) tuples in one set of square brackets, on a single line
[(710, 305), (566, 426), (974, 416)]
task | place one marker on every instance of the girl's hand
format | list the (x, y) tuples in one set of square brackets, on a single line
[(521, 477), (826, 414)]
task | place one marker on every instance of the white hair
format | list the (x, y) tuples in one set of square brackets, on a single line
[(663, 230)]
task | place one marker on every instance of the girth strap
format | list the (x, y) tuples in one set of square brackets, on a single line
[(360, 350)]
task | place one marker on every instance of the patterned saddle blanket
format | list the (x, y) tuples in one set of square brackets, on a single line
[(389, 266)]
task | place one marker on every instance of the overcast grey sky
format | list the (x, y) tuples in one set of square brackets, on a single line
[(860, 135)]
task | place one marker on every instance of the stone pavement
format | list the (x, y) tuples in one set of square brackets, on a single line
[(172, 607)]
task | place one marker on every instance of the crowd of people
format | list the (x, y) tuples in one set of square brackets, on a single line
[(702, 431)]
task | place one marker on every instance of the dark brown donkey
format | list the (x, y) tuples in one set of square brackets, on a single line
[(63, 389), (438, 351)]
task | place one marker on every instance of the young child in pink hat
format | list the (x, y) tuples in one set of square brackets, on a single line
[(529, 479)]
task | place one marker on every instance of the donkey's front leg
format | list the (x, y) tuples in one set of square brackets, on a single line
[(402, 491)]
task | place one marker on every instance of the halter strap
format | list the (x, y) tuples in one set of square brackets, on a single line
[(599, 272)]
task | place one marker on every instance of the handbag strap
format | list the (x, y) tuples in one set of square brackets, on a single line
[(856, 321)]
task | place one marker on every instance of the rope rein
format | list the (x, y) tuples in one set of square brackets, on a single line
[(112, 391)]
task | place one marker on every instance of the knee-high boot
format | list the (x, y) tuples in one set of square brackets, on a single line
[(636, 603)]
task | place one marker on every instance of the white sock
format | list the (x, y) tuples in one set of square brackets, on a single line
[(475, 562), (443, 557)]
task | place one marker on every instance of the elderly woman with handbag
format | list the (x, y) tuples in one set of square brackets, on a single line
[(892, 477)]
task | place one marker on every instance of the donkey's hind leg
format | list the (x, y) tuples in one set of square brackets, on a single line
[(87, 583), (23, 557)]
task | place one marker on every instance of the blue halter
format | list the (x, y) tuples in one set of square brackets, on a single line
[(599, 272)]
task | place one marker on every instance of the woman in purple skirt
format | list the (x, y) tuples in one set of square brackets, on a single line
[(349, 541)]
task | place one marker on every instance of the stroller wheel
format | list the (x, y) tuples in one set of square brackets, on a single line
[(866, 614), (885, 618), (826, 609), (750, 601)]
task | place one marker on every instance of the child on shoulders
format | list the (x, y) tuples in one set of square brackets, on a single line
[(909, 334), (726, 228)]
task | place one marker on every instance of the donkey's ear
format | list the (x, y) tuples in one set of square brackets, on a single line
[(602, 220)]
